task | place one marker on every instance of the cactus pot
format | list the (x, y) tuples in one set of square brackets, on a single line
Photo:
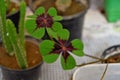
[(14, 16), (112, 54), (73, 17), (74, 24), (15, 73)]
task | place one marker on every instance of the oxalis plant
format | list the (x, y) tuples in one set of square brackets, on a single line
[(58, 45), (42, 23)]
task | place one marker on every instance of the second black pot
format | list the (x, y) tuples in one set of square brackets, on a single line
[(74, 24)]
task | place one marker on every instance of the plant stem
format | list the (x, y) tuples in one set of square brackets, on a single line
[(98, 60), (84, 64), (94, 57), (103, 75)]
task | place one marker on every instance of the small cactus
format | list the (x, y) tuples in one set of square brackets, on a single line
[(13, 42)]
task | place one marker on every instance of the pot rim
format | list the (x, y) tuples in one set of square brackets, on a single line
[(71, 16), (21, 70), (106, 54), (79, 13)]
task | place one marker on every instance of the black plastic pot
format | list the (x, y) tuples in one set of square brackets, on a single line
[(113, 51), (28, 74), (74, 24), (33, 73)]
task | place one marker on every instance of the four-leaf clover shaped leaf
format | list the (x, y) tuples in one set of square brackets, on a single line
[(42, 22), (51, 50)]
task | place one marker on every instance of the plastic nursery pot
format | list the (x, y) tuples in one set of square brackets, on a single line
[(72, 21), (112, 54), (14, 16), (74, 24), (95, 72), (32, 73)]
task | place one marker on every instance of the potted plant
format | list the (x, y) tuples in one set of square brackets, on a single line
[(73, 12), (57, 45), (15, 47), (19, 58)]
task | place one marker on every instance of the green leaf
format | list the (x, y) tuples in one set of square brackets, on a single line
[(46, 47), (69, 63), (52, 11), (40, 11), (51, 33), (78, 52), (63, 34), (38, 33), (50, 58), (76, 43), (30, 25), (32, 16), (57, 26), (57, 18), (32, 29)]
